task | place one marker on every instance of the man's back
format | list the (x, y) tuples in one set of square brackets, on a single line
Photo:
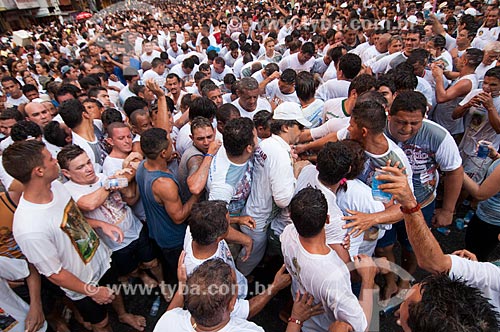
[(326, 278), (162, 229)]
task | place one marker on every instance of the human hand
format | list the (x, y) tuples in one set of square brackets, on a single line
[(112, 231), (102, 295), (465, 254), (281, 280), (35, 318), (340, 326), (346, 243), (442, 218), (366, 267), (303, 307), (181, 268), (244, 221), (360, 222), (154, 87), (214, 147), (114, 78), (396, 183), (298, 166), (247, 248)]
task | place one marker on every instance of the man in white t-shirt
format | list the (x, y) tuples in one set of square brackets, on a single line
[(12, 88), (149, 53), (301, 61), (60, 242), (310, 262), (447, 298), (274, 180), (207, 308), (348, 68), (249, 102)]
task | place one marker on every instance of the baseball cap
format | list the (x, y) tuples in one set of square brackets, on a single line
[(471, 11), (290, 111), (65, 69)]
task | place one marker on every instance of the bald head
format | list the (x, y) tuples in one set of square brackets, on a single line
[(37, 113), (383, 42)]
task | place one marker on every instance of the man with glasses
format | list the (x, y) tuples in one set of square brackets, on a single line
[(274, 180)]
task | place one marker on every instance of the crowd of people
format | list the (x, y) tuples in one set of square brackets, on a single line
[(191, 144)]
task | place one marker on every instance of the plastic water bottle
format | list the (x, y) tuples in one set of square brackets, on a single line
[(155, 307), (115, 182), (469, 216), (443, 230), (459, 224), (378, 194)]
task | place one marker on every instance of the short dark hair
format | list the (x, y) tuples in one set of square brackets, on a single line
[(370, 115), (305, 85), (208, 308), (208, 221), (67, 154), (153, 141), (263, 118), (28, 88), (474, 56), (11, 113), (20, 158), (133, 103), (71, 112), (24, 129), (202, 107), (451, 305), (350, 64), (404, 77), (308, 211), (54, 134), (492, 72), (409, 101), (238, 134), (308, 48), (334, 161), (224, 113), (111, 115), (362, 83)]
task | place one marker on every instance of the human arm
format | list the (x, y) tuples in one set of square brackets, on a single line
[(65, 279), (487, 189), (178, 299), (112, 231), (493, 117), (93, 200), (199, 166), (35, 317), (317, 144), (452, 186), (165, 191), (257, 303), (235, 236), (443, 95), (360, 222), (243, 221), (162, 121), (267, 80), (461, 110), (367, 269), (429, 255)]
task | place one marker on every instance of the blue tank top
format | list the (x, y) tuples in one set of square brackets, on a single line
[(489, 210), (162, 229)]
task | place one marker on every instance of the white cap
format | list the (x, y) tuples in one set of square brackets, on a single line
[(443, 5), (343, 5), (290, 111), (412, 19), (428, 5), (470, 11)]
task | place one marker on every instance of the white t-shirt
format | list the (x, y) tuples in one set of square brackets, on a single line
[(179, 320), (334, 232), (481, 275), (92, 149), (222, 252), (111, 165), (56, 236), (313, 273), (262, 104), (14, 309), (273, 183), (229, 182), (358, 197), (151, 57), (113, 211), (273, 92), (5, 177), (334, 88), (151, 74), (292, 62), (220, 77), (314, 112), (18, 101)]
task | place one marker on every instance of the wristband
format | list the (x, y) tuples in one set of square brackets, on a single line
[(411, 210), (208, 155), (295, 321)]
